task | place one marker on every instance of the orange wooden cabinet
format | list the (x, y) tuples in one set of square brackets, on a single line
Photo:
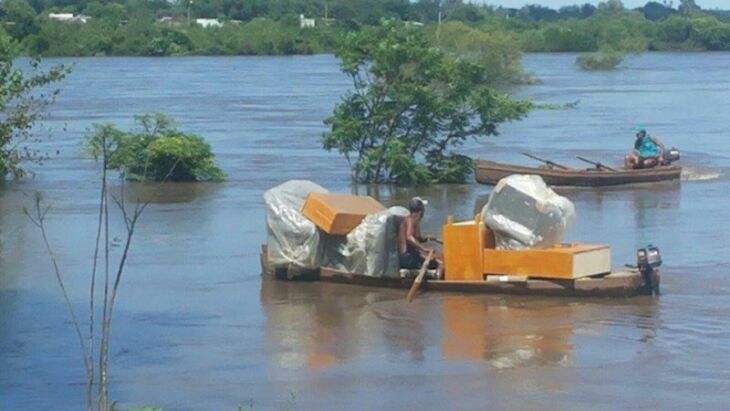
[(339, 214), (464, 245), (565, 261)]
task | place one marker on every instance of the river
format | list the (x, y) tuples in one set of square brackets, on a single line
[(197, 327)]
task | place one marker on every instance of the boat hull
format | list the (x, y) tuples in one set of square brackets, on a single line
[(615, 285), (490, 172)]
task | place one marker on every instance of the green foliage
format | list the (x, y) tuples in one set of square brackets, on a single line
[(25, 93), (271, 27), (711, 33), (498, 52), (604, 60), (568, 36), (411, 106), (18, 18), (158, 152)]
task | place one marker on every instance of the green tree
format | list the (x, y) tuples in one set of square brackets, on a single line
[(18, 18), (711, 33), (688, 7), (158, 152), (410, 107), (655, 11), (611, 8), (497, 51), (25, 93)]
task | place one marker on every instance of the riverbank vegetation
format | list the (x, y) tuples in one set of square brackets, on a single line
[(157, 152), (25, 92), (604, 60), (218, 27), (410, 106)]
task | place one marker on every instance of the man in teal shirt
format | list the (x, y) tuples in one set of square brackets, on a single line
[(648, 152)]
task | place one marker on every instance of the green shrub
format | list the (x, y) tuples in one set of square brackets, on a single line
[(157, 153), (605, 60)]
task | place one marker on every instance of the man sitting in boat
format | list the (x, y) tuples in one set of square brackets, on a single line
[(648, 151), (411, 252)]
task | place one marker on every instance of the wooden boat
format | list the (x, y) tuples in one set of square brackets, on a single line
[(616, 284), (490, 172)]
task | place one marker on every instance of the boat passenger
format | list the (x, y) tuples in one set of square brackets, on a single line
[(411, 251), (648, 152)]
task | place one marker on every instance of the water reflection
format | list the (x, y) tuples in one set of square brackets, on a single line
[(506, 335), (318, 326), (168, 193)]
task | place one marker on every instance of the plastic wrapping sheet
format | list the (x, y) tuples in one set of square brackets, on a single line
[(524, 213), (293, 240), (371, 248)]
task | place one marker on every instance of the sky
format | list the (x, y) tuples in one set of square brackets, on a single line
[(705, 4)]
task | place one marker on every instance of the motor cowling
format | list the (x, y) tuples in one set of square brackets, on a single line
[(648, 261), (671, 155)]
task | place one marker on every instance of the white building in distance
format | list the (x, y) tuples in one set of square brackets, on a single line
[(68, 18), (208, 23), (305, 22)]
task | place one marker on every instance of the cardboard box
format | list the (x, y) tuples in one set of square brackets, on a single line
[(566, 261), (339, 214)]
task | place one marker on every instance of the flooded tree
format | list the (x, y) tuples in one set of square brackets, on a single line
[(95, 341), (411, 106), (157, 151)]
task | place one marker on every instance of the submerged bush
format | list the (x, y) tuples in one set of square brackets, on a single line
[(158, 152), (605, 60)]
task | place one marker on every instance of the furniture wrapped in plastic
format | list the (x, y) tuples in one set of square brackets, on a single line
[(293, 241), (523, 212), (370, 249)]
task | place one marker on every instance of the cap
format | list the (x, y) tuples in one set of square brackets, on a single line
[(416, 204)]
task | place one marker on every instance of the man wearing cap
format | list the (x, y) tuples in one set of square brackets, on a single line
[(411, 251), (648, 151)]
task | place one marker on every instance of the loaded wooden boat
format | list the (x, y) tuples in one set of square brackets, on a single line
[(490, 172), (621, 284), (472, 259)]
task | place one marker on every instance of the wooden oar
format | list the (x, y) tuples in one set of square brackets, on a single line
[(417, 282), (595, 163), (548, 162)]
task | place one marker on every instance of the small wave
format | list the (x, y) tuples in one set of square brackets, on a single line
[(696, 174)]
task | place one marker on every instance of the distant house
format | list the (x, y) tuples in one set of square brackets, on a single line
[(305, 22), (413, 24), (64, 17), (167, 20), (208, 23), (69, 18)]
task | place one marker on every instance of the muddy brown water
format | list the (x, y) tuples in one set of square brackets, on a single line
[(197, 327)]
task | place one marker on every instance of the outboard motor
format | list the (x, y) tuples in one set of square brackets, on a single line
[(649, 259), (671, 156)]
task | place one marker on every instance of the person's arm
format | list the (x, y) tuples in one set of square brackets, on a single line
[(423, 238), (662, 150), (413, 237)]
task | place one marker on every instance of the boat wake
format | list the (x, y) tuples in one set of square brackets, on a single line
[(698, 174)]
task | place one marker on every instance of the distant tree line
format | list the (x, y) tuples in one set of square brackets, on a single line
[(273, 27)]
